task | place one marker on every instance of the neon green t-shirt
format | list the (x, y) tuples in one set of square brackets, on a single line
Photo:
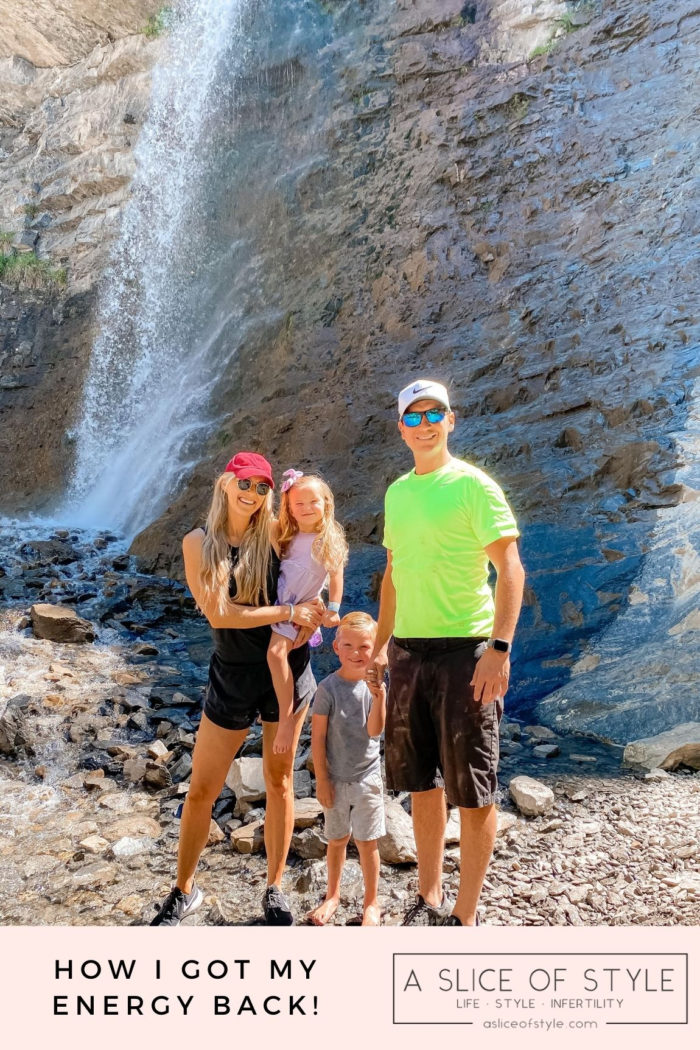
[(436, 527)]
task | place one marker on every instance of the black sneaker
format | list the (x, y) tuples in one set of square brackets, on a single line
[(277, 911), (176, 906), (423, 914), (452, 920)]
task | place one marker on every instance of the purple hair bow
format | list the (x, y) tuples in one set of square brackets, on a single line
[(291, 476)]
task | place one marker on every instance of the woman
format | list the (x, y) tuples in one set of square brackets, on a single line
[(231, 567)]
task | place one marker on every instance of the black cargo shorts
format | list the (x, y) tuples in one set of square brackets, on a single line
[(437, 734)]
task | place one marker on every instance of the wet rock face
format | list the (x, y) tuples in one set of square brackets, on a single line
[(433, 196)]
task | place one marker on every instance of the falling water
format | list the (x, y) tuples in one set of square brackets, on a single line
[(163, 305)]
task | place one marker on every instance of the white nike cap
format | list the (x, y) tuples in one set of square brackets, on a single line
[(420, 390)]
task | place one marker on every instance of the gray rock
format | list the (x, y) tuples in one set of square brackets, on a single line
[(540, 733), (532, 798), (60, 623), (398, 845), (546, 750), (181, 769), (303, 787), (650, 752), (309, 843)]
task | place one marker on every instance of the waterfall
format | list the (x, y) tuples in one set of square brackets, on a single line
[(164, 306)]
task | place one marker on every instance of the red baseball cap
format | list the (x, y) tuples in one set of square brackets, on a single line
[(249, 465)]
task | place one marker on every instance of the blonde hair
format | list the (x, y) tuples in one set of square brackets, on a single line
[(330, 548), (357, 621), (251, 569)]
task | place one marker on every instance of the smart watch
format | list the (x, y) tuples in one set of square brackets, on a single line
[(499, 645)]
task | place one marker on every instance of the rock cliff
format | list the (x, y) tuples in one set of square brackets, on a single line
[(499, 194)]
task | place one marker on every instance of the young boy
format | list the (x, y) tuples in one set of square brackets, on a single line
[(347, 721)]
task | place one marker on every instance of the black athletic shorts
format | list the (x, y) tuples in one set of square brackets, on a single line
[(437, 734), (237, 694)]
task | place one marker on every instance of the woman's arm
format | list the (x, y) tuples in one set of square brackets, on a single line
[(307, 614)]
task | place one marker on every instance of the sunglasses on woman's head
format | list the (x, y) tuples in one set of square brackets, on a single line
[(262, 488), (433, 415)]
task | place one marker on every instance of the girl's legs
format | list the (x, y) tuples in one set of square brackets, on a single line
[(214, 750), (278, 661), (369, 861), (279, 783), (335, 859)]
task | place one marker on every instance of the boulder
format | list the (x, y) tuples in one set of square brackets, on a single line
[(306, 812), (14, 733), (398, 845), (215, 834), (309, 843), (546, 750), (302, 784), (94, 844), (506, 821), (688, 755), (249, 838), (60, 623), (245, 778), (532, 798), (539, 733), (452, 828), (651, 751), (131, 847)]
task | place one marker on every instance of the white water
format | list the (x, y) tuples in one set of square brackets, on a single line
[(150, 372)]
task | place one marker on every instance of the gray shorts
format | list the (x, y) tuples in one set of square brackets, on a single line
[(357, 808)]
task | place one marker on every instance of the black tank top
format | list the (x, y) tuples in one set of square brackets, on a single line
[(237, 646)]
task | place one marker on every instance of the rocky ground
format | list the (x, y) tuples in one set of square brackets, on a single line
[(97, 737)]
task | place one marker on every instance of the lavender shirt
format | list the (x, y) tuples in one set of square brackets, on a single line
[(301, 578)]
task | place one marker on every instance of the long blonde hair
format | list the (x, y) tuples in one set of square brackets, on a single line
[(251, 570), (330, 547)]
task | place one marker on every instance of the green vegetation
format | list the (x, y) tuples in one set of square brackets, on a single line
[(6, 239), (562, 27), (544, 49), (25, 270), (31, 210), (158, 23)]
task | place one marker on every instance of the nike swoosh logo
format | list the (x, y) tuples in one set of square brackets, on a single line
[(419, 387)]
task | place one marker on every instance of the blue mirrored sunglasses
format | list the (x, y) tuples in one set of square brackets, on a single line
[(433, 415)]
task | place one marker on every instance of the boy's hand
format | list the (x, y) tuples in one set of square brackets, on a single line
[(377, 667), (330, 618), (325, 793), (378, 691)]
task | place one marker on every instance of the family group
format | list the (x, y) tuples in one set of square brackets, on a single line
[(443, 634)]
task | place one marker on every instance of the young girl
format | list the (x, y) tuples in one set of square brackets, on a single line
[(313, 549)]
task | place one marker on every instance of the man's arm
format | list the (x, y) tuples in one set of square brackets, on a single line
[(493, 669), (385, 624)]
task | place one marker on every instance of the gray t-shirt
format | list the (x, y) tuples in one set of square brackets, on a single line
[(351, 753)]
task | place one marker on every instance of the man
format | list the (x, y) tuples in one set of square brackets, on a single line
[(449, 658)]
